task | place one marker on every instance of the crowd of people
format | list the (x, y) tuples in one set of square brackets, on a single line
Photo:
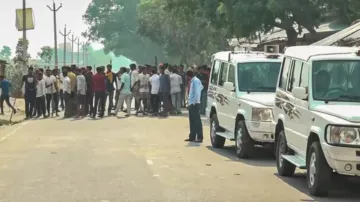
[(158, 91)]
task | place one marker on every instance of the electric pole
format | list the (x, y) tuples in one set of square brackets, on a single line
[(78, 50), (72, 39), (24, 36), (84, 47), (54, 10), (65, 34)]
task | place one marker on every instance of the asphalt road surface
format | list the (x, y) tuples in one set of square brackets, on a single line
[(137, 159)]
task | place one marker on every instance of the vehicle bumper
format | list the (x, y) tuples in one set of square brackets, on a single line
[(340, 157), (260, 131)]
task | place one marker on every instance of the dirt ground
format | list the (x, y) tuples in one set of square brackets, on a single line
[(18, 117)]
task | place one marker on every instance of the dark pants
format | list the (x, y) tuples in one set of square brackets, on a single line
[(67, 101), (30, 98), (165, 98), (155, 103), (196, 130), (5, 98), (99, 102), (89, 101), (49, 99), (182, 95), (61, 98), (40, 106), (110, 97)]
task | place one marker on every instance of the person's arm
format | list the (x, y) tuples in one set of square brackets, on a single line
[(191, 94), (78, 84), (122, 83)]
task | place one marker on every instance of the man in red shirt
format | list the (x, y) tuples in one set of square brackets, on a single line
[(99, 89)]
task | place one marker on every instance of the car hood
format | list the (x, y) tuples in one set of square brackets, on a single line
[(267, 99), (350, 113)]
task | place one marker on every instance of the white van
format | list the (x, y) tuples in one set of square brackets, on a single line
[(317, 114), (240, 99)]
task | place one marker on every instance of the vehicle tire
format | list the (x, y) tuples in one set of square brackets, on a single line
[(319, 174), (216, 140), (284, 167), (243, 142)]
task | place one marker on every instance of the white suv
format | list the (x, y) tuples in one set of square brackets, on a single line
[(240, 99), (317, 114)]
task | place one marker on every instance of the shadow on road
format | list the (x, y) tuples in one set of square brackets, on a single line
[(343, 190), (261, 157)]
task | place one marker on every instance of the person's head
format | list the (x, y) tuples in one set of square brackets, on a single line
[(40, 75), (41, 70), (153, 71), (73, 68), (65, 72), (2, 77), (123, 70), (88, 69), (109, 68), (132, 67), (143, 70), (48, 72), (181, 68), (98, 70), (30, 70), (162, 69), (55, 72), (190, 74)]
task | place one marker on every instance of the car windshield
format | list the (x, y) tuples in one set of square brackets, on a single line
[(336, 80), (258, 76)]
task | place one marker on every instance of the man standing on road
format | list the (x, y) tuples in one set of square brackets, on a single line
[(110, 80), (183, 85), (134, 79), (125, 93), (144, 89), (175, 83), (72, 77), (40, 96), (196, 130), (50, 82), (5, 90), (29, 81), (81, 92), (99, 89), (164, 91), (89, 93), (67, 93), (155, 85), (204, 78)]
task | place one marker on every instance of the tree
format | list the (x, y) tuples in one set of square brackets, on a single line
[(19, 57), (5, 53), (346, 10), (46, 54), (113, 23)]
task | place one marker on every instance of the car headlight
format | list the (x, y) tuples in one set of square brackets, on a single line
[(342, 135), (262, 114)]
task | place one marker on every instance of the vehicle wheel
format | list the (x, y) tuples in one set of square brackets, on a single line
[(243, 142), (284, 167), (216, 141), (319, 173)]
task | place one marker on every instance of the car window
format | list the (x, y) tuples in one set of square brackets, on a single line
[(231, 74), (295, 75), (285, 72), (215, 72), (223, 73), (304, 80)]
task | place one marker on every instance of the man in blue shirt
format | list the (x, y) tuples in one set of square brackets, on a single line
[(196, 130), (5, 89)]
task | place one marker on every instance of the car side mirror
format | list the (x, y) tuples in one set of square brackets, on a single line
[(229, 86), (299, 93)]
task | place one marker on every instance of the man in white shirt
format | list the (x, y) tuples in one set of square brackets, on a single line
[(50, 84), (144, 89), (81, 88), (134, 80), (67, 94), (60, 77), (155, 85), (40, 96), (175, 84)]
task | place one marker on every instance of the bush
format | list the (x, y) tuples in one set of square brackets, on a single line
[(14, 74)]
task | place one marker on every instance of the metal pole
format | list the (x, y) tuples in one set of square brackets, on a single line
[(54, 10), (78, 51), (83, 53), (24, 35), (65, 34), (73, 39)]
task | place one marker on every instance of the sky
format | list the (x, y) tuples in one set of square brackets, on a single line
[(43, 34)]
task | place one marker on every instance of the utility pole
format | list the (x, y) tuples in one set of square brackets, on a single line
[(54, 10), (84, 47), (78, 50), (24, 35), (65, 34), (72, 39)]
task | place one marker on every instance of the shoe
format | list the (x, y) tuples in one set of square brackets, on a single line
[(127, 115), (189, 140)]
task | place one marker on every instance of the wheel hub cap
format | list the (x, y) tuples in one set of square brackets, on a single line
[(281, 152), (238, 139), (312, 169), (213, 130)]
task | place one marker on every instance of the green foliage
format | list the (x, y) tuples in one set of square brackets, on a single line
[(114, 23), (346, 10), (19, 57), (14, 73), (5, 53), (46, 54)]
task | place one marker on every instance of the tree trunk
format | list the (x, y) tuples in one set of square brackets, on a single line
[(292, 36)]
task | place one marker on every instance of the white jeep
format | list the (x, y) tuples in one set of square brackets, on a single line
[(240, 99), (317, 114)]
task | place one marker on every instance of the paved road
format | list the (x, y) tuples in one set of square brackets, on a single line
[(134, 159)]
